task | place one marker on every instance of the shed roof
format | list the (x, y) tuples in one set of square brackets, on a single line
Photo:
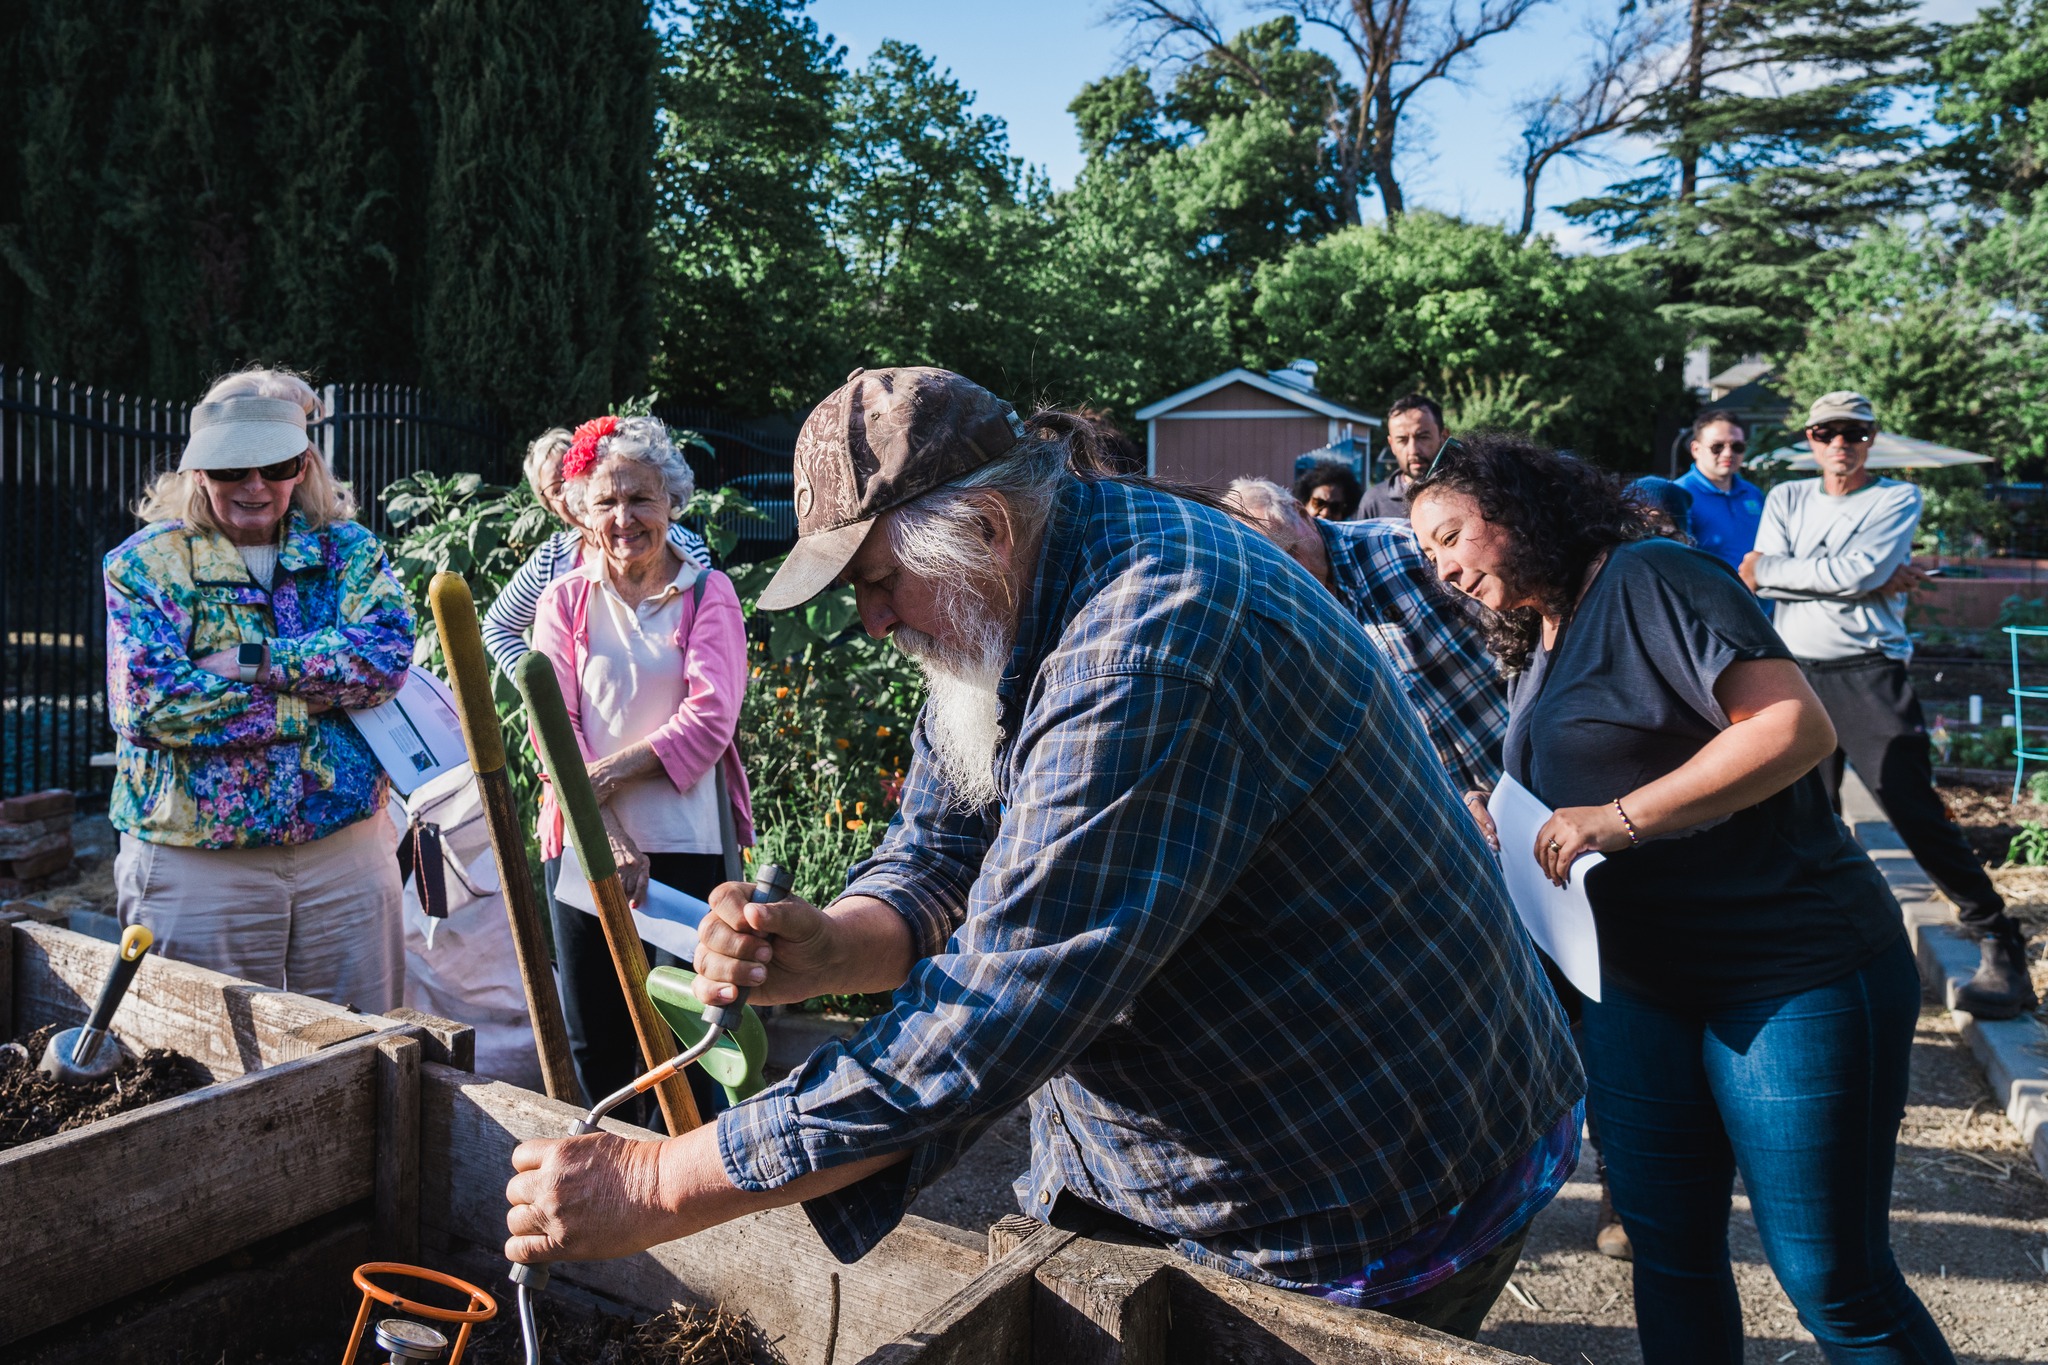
[(1292, 393)]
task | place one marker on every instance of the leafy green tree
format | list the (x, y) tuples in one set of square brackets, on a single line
[(1779, 140), (746, 280), (1943, 331), (1994, 92), (1565, 347), (936, 224)]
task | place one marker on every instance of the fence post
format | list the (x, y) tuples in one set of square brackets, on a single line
[(329, 393)]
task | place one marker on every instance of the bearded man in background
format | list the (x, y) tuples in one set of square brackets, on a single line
[(1174, 860)]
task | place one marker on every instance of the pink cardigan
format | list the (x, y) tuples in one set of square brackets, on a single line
[(711, 644)]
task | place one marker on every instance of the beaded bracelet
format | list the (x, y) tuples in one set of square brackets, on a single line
[(1626, 823)]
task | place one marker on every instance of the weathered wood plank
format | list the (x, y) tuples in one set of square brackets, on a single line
[(1102, 1303), (97, 1213), (989, 1320), (770, 1265), (446, 1042), (1214, 1319), (267, 1297), (396, 1200), (227, 1026)]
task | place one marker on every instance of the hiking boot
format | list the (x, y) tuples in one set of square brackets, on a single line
[(1610, 1238), (2001, 989)]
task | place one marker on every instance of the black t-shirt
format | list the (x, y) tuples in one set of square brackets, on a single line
[(1774, 899)]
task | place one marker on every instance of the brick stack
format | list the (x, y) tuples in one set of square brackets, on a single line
[(35, 841)]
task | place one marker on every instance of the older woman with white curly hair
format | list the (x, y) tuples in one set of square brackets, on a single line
[(511, 615), (651, 653)]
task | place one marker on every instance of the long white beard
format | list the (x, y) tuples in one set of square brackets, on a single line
[(963, 717)]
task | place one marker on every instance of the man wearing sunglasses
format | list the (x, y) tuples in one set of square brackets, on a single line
[(1834, 554), (1726, 508)]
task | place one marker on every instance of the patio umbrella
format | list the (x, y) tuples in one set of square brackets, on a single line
[(1890, 451)]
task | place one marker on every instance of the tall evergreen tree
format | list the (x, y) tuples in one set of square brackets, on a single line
[(1779, 140), (538, 295), (1994, 93)]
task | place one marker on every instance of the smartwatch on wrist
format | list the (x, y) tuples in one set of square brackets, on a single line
[(251, 658)]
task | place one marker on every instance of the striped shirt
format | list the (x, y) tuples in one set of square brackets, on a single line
[(511, 615), (1432, 638), (1230, 930)]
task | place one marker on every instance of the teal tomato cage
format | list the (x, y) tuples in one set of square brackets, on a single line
[(2021, 695)]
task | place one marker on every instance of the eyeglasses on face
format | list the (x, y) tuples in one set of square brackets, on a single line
[(1734, 447), (1850, 435), (271, 473)]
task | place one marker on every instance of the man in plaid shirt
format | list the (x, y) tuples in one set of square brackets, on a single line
[(1174, 860), (1431, 636)]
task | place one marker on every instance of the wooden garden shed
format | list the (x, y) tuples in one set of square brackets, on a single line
[(1243, 423)]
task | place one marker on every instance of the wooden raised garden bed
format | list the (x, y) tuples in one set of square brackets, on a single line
[(227, 1220), (304, 1110)]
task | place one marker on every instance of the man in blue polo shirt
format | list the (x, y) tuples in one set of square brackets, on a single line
[(1726, 508)]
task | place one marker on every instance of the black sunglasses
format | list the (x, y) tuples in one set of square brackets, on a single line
[(1854, 435), (271, 473), (1739, 447), (1450, 444)]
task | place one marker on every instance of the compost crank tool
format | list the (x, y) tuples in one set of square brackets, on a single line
[(739, 1070), (78, 1056)]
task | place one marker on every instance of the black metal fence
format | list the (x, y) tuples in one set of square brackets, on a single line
[(74, 460)]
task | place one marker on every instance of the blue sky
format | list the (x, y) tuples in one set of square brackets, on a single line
[(1025, 62)]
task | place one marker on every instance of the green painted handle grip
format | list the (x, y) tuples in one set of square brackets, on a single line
[(564, 764), (469, 669)]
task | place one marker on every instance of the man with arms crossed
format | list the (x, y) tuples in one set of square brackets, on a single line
[(1833, 553), (1257, 974)]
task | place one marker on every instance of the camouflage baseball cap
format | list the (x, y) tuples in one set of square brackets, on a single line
[(884, 438)]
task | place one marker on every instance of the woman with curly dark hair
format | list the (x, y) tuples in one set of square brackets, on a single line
[(1757, 995)]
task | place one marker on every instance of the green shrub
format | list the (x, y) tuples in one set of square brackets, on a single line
[(2029, 848)]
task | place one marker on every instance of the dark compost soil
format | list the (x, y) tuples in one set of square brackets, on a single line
[(33, 1105)]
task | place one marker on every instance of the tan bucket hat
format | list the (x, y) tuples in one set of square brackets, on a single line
[(884, 438), (244, 432)]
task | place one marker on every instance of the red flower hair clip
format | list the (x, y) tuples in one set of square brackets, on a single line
[(583, 446)]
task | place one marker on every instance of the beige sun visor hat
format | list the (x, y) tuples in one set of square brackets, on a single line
[(244, 432), (883, 438)]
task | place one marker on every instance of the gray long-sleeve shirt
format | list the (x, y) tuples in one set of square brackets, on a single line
[(1824, 559)]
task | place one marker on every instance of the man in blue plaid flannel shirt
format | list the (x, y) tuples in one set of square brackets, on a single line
[(1174, 860), (1433, 637)]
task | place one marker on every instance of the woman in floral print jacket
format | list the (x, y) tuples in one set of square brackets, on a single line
[(242, 622)]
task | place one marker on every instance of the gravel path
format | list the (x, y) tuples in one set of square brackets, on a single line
[(1969, 1226)]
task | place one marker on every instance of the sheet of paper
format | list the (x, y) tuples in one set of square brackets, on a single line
[(1560, 919), (416, 735), (668, 918)]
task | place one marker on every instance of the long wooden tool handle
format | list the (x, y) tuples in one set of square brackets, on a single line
[(585, 827), (469, 673)]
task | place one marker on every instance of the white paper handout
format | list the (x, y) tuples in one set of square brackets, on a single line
[(668, 918), (416, 735), (1560, 919)]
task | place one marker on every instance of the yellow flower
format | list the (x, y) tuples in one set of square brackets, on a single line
[(881, 732), (842, 744), (860, 808), (856, 824), (781, 692)]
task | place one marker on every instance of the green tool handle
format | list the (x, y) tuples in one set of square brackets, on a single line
[(462, 644), (564, 764)]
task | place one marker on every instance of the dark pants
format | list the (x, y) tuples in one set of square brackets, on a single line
[(1457, 1306), (1801, 1093), (1883, 735), (602, 1045)]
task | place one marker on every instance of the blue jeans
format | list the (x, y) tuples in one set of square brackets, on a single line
[(1801, 1093)]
